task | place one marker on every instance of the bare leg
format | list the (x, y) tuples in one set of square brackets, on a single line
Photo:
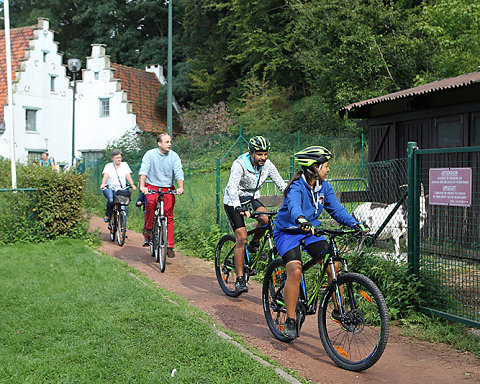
[(292, 286), (239, 251)]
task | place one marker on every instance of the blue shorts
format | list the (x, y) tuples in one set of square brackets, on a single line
[(286, 241)]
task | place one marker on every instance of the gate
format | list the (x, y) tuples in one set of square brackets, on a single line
[(444, 252)]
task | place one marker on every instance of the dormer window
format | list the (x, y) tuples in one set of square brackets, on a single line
[(45, 56), (95, 75), (52, 83)]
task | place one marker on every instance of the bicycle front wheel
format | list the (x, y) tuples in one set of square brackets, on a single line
[(121, 228), (225, 265), (162, 245), (356, 340), (273, 301)]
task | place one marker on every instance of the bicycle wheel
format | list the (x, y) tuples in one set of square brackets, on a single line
[(121, 228), (272, 297), (157, 228), (225, 265), (162, 244), (357, 340), (113, 226)]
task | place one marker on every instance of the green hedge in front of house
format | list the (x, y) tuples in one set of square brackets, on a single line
[(54, 209)]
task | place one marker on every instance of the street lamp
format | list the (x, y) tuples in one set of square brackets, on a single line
[(74, 66)]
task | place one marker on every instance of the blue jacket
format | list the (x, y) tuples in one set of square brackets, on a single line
[(302, 200)]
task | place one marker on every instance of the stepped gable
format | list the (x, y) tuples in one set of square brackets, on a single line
[(19, 41), (142, 89)]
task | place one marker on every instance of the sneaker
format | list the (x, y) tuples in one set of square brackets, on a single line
[(170, 252), (106, 219), (241, 285), (146, 242), (290, 329)]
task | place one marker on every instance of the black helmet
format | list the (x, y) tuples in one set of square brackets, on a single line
[(258, 143), (312, 155)]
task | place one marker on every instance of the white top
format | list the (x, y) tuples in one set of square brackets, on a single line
[(112, 172)]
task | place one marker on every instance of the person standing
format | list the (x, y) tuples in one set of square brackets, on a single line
[(115, 174), (247, 175), (160, 168), (45, 161)]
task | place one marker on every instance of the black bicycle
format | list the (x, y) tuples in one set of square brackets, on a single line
[(356, 336), (118, 219), (225, 262), (159, 240)]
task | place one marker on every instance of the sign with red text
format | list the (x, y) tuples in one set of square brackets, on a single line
[(450, 186)]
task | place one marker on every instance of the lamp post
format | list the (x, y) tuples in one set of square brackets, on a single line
[(74, 66), (169, 71)]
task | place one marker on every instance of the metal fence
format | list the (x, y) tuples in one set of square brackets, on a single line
[(446, 251)]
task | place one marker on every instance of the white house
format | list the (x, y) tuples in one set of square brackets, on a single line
[(42, 99), (110, 99)]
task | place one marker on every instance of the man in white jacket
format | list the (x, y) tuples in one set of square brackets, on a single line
[(247, 175)]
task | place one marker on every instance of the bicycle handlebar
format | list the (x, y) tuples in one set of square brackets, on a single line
[(171, 192), (336, 232), (255, 214), (113, 188)]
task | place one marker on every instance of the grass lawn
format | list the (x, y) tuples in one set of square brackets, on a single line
[(69, 315)]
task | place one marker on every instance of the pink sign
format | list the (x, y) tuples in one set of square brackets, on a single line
[(450, 186)]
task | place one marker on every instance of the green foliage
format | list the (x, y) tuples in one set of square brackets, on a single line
[(54, 209), (399, 287)]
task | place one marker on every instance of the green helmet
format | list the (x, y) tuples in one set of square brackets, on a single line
[(312, 155), (258, 143)]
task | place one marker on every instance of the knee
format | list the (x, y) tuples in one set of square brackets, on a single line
[(241, 241), (295, 275)]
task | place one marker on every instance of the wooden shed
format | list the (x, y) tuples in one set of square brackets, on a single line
[(444, 113)]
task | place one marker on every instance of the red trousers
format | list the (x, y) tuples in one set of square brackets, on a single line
[(169, 203)]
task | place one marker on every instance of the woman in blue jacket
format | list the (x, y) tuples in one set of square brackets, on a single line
[(305, 197)]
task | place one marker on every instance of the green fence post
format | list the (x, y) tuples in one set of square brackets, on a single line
[(362, 155), (292, 166), (298, 141), (189, 174), (411, 207), (218, 191), (241, 141)]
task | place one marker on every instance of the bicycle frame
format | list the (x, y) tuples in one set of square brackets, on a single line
[(267, 237)]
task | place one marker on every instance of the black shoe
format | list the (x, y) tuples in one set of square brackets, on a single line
[(170, 252), (146, 242), (253, 247), (290, 329), (241, 285)]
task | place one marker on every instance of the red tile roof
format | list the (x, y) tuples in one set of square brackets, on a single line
[(142, 89), (19, 41), (435, 86)]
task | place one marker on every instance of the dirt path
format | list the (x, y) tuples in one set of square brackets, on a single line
[(404, 360)]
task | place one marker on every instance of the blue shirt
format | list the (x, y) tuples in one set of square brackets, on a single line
[(161, 169), (302, 200)]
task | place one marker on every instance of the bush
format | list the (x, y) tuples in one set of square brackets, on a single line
[(54, 209)]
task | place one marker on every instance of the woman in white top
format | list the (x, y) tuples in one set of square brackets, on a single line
[(115, 174)]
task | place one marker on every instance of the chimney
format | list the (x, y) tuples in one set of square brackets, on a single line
[(158, 71), (98, 50)]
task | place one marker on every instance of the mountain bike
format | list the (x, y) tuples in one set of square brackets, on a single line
[(357, 337), (224, 257), (159, 240), (118, 219)]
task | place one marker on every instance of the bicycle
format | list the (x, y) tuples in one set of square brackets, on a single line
[(159, 240), (356, 339), (118, 219), (224, 257)]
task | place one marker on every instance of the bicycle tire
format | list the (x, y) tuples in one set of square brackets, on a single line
[(225, 265), (113, 226), (121, 228), (152, 239), (272, 298), (359, 340), (162, 245), (156, 239)]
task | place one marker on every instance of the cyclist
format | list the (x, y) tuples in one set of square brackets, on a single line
[(115, 174), (160, 168), (247, 175), (305, 197)]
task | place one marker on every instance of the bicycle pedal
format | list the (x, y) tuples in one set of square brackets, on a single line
[(253, 272)]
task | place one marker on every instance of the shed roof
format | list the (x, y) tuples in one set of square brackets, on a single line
[(435, 86), (19, 41), (142, 89)]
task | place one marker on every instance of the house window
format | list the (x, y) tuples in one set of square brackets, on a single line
[(44, 56), (30, 120), (95, 75), (52, 83), (34, 156), (476, 130), (104, 107), (449, 131), (90, 158)]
